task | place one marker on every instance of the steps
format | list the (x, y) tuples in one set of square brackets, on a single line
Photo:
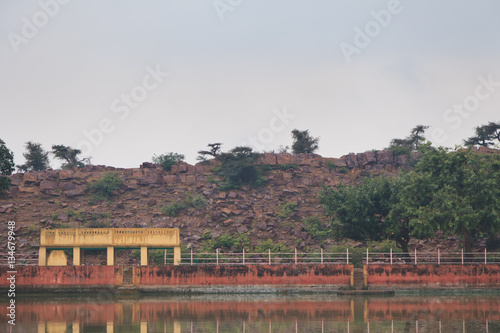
[(128, 276), (358, 279)]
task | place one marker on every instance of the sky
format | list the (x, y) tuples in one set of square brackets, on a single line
[(125, 80)]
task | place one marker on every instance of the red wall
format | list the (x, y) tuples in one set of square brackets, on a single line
[(433, 275), (64, 275), (244, 275)]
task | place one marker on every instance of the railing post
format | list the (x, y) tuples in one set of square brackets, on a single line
[(269, 251), (295, 256), (217, 256), (321, 256), (191, 257), (439, 257), (415, 256), (348, 256), (485, 258), (462, 252), (243, 256), (367, 256), (391, 255)]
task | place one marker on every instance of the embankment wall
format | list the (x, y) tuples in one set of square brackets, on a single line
[(243, 275), (430, 276)]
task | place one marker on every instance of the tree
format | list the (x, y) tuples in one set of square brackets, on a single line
[(70, 156), (6, 166), (214, 151), (360, 211), (457, 192), (411, 143), (303, 142), (238, 167), (37, 159), (167, 160), (485, 135)]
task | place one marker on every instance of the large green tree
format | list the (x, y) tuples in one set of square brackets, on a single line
[(6, 166), (361, 211), (37, 159), (457, 192)]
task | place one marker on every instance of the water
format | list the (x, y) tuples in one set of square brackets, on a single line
[(266, 313)]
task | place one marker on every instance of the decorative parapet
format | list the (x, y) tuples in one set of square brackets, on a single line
[(104, 237)]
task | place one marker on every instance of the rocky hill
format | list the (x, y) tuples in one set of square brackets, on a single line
[(58, 198)]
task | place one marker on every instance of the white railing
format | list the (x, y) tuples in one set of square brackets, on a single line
[(437, 257), (264, 258)]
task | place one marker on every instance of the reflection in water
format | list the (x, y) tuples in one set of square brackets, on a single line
[(256, 314)]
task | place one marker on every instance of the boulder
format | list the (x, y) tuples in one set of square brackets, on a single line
[(351, 160), (285, 158), (30, 177), (66, 174), (150, 179), (48, 185), (67, 186), (384, 157), (267, 158), (366, 158), (78, 191)]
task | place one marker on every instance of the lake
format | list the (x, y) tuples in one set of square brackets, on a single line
[(106, 312)]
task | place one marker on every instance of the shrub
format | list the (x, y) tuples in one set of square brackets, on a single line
[(288, 166), (287, 209), (330, 165), (96, 224), (237, 167), (226, 242), (261, 181), (173, 209), (190, 200), (317, 229), (167, 160), (269, 244), (34, 228), (103, 188), (343, 170), (400, 150)]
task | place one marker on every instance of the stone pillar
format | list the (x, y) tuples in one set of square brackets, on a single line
[(144, 255), (177, 327), (77, 256), (177, 255), (110, 327), (76, 327), (144, 327), (42, 256), (111, 256)]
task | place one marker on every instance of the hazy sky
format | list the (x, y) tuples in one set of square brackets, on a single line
[(123, 80)]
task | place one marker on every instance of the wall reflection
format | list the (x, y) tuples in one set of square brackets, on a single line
[(274, 314)]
